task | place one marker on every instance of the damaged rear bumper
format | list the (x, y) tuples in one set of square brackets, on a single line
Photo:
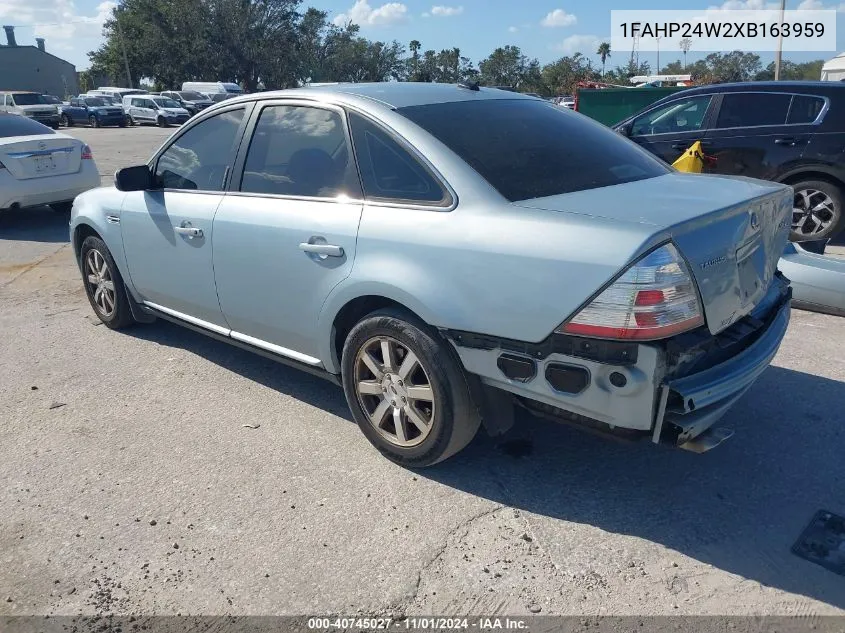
[(689, 406)]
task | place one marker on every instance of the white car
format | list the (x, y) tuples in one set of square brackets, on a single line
[(154, 109), (39, 166)]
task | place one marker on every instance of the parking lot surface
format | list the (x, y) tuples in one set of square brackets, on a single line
[(158, 471)]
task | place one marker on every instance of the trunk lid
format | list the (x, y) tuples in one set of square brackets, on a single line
[(39, 156), (731, 231)]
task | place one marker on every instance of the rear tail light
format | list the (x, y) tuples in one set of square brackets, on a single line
[(654, 298), (86, 153)]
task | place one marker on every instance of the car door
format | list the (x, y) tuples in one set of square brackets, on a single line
[(285, 234), (167, 232), (757, 134), (669, 129)]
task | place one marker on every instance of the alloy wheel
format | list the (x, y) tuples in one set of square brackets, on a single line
[(394, 391), (100, 282), (812, 213)]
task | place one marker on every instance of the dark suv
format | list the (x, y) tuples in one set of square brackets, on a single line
[(788, 131)]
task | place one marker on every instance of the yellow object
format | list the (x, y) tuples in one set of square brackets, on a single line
[(692, 160)]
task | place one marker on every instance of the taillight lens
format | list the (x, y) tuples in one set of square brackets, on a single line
[(86, 153), (654, 298)]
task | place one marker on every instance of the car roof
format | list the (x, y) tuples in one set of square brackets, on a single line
[(392, 94), (811, 87)]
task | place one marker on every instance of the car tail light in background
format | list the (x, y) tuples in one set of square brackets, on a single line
[(654, 298), (86, 152)]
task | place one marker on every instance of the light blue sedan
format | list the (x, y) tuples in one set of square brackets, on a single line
[(447, 252)]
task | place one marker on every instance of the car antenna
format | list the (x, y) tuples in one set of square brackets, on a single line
[(469, 85)]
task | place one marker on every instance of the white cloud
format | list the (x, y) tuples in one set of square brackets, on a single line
[(513, 29), (817, 4), (745, 5), (559, 17), (445, 12), (363, 14), (584, 44), (59, 22)]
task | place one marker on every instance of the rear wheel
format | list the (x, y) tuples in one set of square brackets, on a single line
[(62, 207), (93, 121), (67, 121), (406, 389), (104, 285), (817, 211)]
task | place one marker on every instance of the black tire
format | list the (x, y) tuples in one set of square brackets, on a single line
[(130, 120), (804, 225), (93, 121), (67, 121), (454, 419), (62, 207), (55, 126), (161, 122), (122, 123), (121, 315)]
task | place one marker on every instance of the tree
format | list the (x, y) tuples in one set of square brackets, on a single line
[(603, 52), (507, 67), (414, 61), (562, 76), (685, 45), (808, 71)]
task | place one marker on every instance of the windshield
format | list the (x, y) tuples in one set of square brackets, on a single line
[(50, 99), (14, 125), (28, 98), (191, 96), (164, 102), (94, 102), (527, 148)]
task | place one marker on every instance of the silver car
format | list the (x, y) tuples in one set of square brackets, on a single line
[(447, 253)]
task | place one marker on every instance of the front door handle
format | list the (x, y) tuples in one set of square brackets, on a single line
[(790, 142), (188, 230), (328, 250)]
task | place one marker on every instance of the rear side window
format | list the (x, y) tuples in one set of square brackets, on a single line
[(198, 159), (13, 125), (749, 109), (527, 148), (805, 109), (299, 151), (388, 171)]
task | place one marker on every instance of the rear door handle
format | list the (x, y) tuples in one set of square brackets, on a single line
[(329, 250), (189, 231)]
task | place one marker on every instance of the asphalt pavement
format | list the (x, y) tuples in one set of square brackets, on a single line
[(159, 471)]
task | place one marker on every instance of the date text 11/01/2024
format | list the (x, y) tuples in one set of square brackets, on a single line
[(418, 623)]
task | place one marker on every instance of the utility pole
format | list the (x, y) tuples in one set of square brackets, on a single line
[(779, 53), (658, 56), (123, 46)]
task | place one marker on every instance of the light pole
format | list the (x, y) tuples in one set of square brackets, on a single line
[(779, 53), (658, 55)]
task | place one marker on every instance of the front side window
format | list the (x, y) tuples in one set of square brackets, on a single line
[(299, 151), (684, 115), (527, 148), (751, 109), (388, 171), (198, 159)]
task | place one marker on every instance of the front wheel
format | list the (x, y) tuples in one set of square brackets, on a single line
[(93, 121), (816, 211), (66, 121), (104, 285), (406, 389), (162, 122)]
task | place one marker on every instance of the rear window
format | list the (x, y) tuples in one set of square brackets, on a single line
[(527, 148), (14, 125), (805, 109)]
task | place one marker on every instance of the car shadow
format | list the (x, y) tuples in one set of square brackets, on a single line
[(38, 224), (738, 508)]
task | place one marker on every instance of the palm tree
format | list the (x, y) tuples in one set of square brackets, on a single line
[(685, 44), (415, 59), (604, 53)]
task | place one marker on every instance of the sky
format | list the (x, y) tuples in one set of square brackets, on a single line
[(545, 29)]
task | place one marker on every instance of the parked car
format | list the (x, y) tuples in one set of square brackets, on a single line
[(565, 101), (788, 131), (192, 101), (92, 110), (506, 251), (151, 109), (30, 104), (818, 282), (217, 97), (52, 100), (39, 166), (116, 93), (212, 87)]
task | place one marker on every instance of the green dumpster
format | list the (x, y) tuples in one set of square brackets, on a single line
[(611, 105)]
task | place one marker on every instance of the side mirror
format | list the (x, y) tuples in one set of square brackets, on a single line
[(625, 130), (138, 178)]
